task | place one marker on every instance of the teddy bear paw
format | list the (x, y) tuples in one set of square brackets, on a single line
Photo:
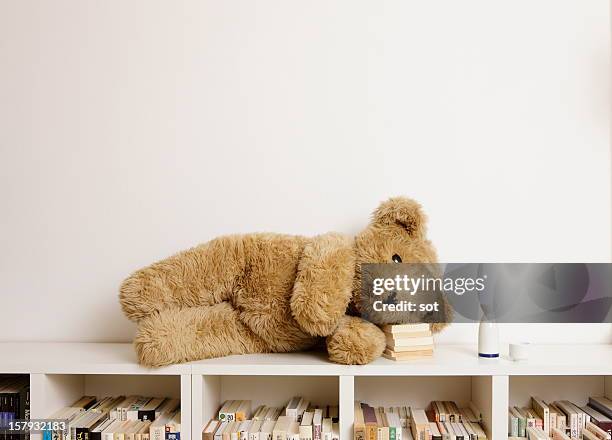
[(355, 342), (136, 292), (162, 340)]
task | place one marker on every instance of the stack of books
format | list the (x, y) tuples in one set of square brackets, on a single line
[(119, 418), (562, 420), (298, 420), (442, 420), (408, 341)]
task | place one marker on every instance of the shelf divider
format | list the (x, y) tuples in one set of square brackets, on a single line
[(186, 410), (346, 404), (500, 401)]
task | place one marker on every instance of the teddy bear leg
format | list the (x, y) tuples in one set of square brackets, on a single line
[(191, 278), (184, 335), (355, 342)]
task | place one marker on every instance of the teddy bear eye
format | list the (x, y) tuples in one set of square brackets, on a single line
[(396, 258)]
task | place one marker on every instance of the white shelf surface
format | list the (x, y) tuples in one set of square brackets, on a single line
[(448, 360), (76, 358)]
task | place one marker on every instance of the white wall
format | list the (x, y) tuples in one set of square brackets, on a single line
[(132, 129)]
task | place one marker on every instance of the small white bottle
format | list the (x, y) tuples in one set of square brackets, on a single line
[(488, 339)]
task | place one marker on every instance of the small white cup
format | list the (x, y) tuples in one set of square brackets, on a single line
[(519, 352)]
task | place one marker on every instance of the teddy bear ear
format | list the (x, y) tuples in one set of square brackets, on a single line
[(401, 212)]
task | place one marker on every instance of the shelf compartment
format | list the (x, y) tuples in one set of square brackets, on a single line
[(51, 392), (576, 389), (419, 391), (210, 391)]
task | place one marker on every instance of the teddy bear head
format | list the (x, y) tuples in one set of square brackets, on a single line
[(396, 234)]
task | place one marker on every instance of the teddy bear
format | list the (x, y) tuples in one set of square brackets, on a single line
[(266, 292)]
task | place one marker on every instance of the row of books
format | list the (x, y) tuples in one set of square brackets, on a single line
[(562, 420), (119, 418), (442, 420), (298, 420), (14, 402), (408, 341)]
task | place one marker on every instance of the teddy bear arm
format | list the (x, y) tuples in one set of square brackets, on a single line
[(323, 284), (355, 342)]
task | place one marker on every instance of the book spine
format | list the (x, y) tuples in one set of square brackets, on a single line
[(81, 434), (306, 433), (132, 414), (513, 429), (157, 432), (146, 415), (370, 430), (552, 421), (606, 426), (577, 428)]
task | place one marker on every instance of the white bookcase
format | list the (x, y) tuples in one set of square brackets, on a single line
[(60, 373)]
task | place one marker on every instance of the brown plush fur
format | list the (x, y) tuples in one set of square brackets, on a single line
[(261, 293)]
